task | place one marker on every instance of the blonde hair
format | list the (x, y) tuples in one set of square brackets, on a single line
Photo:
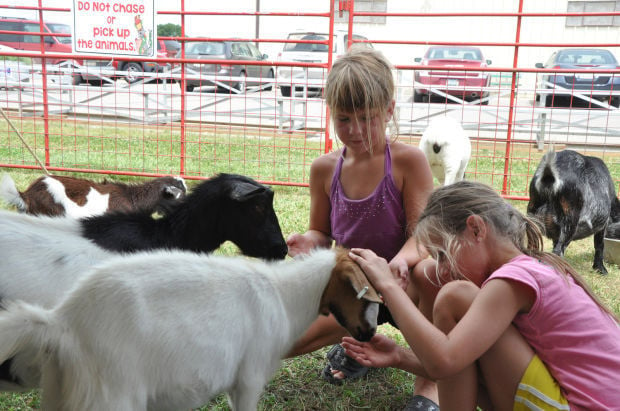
[(444, 219), (361, 80)]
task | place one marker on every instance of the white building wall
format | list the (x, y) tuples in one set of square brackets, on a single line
[(427, 29)]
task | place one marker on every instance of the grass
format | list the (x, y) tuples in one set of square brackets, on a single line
[(264, 154), (297, 385), (277, 157)]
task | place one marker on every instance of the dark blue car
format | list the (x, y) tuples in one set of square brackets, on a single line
[(582, 85)]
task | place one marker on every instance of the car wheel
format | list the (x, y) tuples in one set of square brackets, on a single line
[(132, 70), (270, 76), (95, 82), (189, 87), (285, 90), (615, 101), (242, 84)]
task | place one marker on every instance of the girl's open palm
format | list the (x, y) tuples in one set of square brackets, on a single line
[(379, 352)]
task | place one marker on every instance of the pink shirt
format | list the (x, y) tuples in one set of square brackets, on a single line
[(579, 343)]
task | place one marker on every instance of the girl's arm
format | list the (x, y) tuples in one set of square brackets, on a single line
[(319, 231), (413, 174), (440, 354), (382, 352)]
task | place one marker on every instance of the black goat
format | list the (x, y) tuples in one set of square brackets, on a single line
[(227, 207), (574, 197)]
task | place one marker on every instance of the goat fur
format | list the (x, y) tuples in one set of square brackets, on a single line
[(574, 197), (42, 258), (79, 197), (447, 149), (171, 330)]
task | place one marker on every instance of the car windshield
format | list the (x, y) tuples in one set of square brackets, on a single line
[(453, 53), (205, 48), (586, 57), (307, 47), (60, 28)]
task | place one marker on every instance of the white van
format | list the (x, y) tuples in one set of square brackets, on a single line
[(309, 79)]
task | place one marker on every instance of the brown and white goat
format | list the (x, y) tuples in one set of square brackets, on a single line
[(171, 330), (79, 197)]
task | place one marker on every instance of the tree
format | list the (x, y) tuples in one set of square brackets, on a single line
[(169, 30)]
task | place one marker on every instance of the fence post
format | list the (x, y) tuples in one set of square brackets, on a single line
[(540, 135)]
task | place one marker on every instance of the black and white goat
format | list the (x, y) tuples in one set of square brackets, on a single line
[(228, 207), (79, 197), (171, 330), (41, 258), (574, 197)]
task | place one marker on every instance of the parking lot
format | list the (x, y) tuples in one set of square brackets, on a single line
[(158, 101)]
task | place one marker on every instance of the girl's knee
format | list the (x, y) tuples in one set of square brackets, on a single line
[(452, 302)]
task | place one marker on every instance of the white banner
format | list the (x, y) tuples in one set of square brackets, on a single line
[(117, 27)]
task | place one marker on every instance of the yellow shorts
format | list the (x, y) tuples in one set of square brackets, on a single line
[(538, 390)]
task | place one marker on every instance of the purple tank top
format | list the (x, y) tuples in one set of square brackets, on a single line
[(376, 222)]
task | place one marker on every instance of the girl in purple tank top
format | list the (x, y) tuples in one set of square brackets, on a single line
[(367, 194)]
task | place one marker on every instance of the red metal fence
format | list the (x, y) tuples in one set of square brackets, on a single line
[(79, 113)]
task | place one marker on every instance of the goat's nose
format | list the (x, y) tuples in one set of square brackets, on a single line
[(365, 334), (279, 252)]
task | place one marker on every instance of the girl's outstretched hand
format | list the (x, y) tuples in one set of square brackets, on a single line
[(379, 352), (376, 268), (298, 244)]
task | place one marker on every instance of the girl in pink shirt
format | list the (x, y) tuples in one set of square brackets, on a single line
[(513, 327)]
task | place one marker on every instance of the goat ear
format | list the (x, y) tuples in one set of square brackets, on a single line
[(358, 279), (243, 191), (363, 288), (172, 192)]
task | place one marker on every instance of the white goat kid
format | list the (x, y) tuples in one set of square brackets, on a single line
[(447, 149), (171, 330)]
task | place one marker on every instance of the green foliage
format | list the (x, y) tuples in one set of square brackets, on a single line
[(169, 30)]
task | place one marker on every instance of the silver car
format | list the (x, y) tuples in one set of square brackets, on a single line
[(227, 77), (310, 79)]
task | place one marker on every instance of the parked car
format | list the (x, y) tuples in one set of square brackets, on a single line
[(595, 85), (468, 85), (32, 43), (313, 77), (221, 74), (135, 69)]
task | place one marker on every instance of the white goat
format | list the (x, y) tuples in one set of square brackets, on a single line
[(447, 148), (170, 330), (41, 259)]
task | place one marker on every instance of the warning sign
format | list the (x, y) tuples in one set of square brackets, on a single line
[(119, 27)]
